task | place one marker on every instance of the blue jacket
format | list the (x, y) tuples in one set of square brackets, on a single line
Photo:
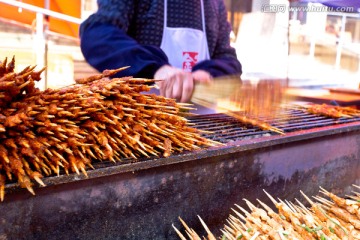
[(129, 32)]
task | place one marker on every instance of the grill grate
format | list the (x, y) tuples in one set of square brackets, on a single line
[(225, 128)]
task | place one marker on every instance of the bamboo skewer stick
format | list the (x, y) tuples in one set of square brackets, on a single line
[(95, 119), (325, 219)]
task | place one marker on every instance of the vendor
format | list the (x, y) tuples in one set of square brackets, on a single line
[(181, 41)]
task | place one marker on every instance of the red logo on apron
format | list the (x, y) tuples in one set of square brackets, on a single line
[(189, 60)]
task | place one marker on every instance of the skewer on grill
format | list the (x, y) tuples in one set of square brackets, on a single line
[(253, 120), (96, 119), (328, 110)]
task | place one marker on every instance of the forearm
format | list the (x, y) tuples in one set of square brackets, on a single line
[(220, 66), (105, 46)]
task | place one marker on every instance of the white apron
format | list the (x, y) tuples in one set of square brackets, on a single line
[(185, 47)]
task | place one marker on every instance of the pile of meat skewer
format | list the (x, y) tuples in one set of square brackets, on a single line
[(329, 217), (44, 132)]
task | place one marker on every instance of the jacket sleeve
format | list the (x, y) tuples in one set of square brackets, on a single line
[(105, 43), (223, 61)]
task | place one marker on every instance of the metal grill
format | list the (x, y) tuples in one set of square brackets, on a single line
[(316, 151), (225, 128), (221, 128)]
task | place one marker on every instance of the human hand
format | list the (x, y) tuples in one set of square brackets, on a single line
[(201, 76), (177, 83)]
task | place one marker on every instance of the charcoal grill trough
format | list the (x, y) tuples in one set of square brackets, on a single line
[(141, 199)]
